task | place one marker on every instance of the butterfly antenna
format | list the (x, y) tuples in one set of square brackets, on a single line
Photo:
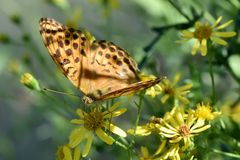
[(59, 92)]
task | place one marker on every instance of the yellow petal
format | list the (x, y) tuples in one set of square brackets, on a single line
[(198, 124), (119, 112), (114, 106), (175, 140), (224, 34), (187, 34), (161, 147), (201, 129), (80, 113), (217, 22), (76, 154), (185, 87), (197, 24), (219, 41), (168, 132), (184, 100), (76, 136), (104, 137), (116, 130), (182, 40), (141, 131), (204, 47), (164, 98), (144, 152), (88, 145), (195, 47), (176, 79), (179, 118), (151, 92), (191, 118), (174, 150), (77, 121), (115, 113), (67, 153), (224, 25), (168, 135)]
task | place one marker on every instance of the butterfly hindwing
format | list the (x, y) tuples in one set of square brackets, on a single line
[(113, 68), (132, 88)]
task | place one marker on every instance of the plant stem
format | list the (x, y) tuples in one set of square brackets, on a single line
[(179, 9), (139, 106), (121, 145), (228, 154), (212, 79)]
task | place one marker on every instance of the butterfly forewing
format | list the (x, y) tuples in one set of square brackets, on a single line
[(67, 47), (100, 69)]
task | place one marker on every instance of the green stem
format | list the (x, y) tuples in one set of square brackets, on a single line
[(139, 107), (212, 79), (121, 145), (173, 3), (228, 154)]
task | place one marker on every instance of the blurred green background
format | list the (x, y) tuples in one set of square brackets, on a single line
[(33, 125)]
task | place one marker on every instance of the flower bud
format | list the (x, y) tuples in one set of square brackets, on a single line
[(29, 81)]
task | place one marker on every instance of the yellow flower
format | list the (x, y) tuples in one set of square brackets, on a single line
[(65, 153), (29, 81), (171, 153), (164, 152), (147, 129), (95, 122), (204, 32), (231, 109), (178, 125), (205, 112), (169, 89), (145, 154), (154, 90)]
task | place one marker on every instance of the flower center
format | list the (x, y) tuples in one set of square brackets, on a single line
[(184, 130), (204, 112), (203, 32), (169, 90), (93, 120), (155, 120)]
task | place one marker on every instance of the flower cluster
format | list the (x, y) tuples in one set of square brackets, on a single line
[(65, 153), (169, 89), (96, 121), (177, 129), (204, 32)]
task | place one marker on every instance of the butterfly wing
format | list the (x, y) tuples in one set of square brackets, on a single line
[(96, 68), (67, 47), (113, 69), (132, 88), (100, 69)]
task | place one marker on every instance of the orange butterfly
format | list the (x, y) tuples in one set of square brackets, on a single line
[(100, 69)]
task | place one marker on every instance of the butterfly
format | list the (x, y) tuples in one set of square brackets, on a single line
[(99, 68)]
